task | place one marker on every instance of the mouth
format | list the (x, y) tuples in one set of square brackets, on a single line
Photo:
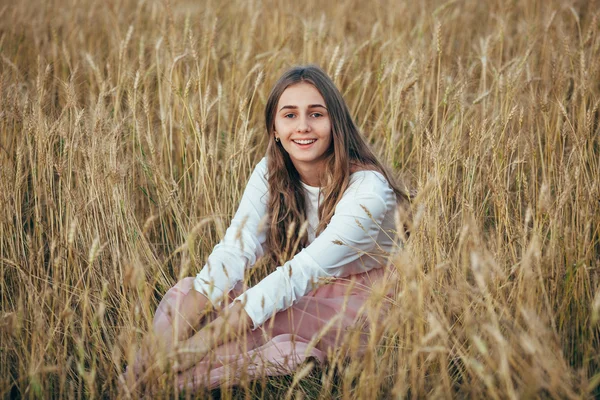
[(304, 142)]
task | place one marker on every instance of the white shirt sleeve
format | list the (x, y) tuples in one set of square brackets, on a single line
[(242, 244), (351, 233)]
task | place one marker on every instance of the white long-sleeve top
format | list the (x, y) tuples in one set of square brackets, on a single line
[(356, 240)]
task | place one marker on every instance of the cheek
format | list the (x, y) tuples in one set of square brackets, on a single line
[(327, 131), (279, 126)]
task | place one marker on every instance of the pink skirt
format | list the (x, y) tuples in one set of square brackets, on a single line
[(314, 327)]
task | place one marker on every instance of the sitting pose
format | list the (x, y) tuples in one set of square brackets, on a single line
[(320, 190)]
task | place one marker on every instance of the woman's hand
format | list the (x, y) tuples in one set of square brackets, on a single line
[(227, 327), (193, 307), (174, 327)]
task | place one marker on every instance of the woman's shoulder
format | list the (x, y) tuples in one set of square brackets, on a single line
[(262, 164), (368, 172), (368, 180), (261, 168), (258, 177)]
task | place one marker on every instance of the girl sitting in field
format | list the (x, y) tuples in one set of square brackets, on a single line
[(320, 188)]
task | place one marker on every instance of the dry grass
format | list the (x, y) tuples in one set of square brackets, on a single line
[(128, 130)]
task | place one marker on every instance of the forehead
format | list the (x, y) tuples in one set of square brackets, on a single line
[(299, 94)]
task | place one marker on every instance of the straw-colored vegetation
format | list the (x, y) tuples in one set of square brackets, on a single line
[(129, 128)]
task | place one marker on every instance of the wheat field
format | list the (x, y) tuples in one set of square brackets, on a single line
[(129, 128)]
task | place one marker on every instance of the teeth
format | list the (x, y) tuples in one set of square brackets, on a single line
[(307, 141)]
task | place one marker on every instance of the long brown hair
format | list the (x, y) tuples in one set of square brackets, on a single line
[(285, 227)]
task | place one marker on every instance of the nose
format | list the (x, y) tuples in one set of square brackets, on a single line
[(303, 124)]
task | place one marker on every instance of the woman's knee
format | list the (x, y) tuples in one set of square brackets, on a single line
[(170, 303)]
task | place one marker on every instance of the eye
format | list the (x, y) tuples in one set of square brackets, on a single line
[(316, 115), (290, 115)]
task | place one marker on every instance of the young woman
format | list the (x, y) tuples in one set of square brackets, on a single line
[(319, 189)]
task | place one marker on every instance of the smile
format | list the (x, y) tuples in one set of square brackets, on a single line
[(304, 141)]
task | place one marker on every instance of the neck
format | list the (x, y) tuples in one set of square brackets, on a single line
[(310, 173)]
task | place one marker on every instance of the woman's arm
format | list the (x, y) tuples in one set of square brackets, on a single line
[(242, 244), (343, 248)]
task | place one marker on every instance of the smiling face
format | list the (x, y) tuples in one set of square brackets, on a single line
[(303, 126)]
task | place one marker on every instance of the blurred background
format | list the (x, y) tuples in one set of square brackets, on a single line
[(129, 128)]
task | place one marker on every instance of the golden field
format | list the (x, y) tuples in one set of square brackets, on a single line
[(129, 128)]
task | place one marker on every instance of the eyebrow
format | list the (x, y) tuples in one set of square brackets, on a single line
[(309, 106)]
